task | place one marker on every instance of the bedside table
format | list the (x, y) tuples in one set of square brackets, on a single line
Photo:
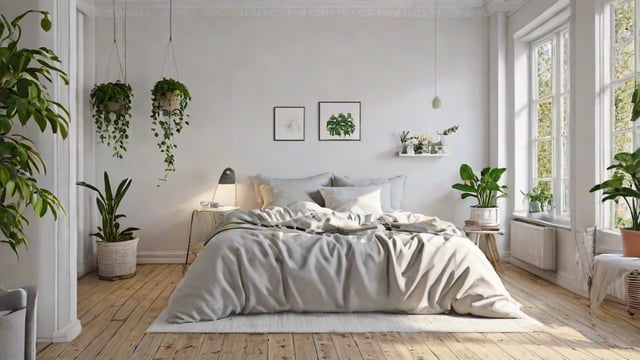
[(213, 214), (490, 240)]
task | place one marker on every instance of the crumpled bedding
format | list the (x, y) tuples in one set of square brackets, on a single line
[(293, 259)]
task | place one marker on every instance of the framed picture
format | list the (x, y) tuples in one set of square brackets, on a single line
[(339, 120), (288, 123)]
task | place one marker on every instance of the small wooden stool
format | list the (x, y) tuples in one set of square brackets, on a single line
[(492, 253)]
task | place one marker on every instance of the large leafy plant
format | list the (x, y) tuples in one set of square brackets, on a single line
[(485, 188), (624, 183), (341, 125), (168, 119), (111, 105), (24, 74), (108, 203)]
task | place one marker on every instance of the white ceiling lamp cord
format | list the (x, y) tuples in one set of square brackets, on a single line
[(114, 47), (125, 41), (169, 50), (435, 103)]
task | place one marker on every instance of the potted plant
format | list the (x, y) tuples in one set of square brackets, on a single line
[(169, 100), (25, 75), (486, 189), (538, 197), (404, 141), (446, 132), (111, 106), (116, 247), (624, 183), (419, 146), (341, 125)]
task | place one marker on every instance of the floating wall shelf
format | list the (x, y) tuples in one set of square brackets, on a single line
[(423, 155)]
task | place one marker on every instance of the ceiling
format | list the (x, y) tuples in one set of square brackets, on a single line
[(363, 8)]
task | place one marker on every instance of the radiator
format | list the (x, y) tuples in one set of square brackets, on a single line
[(534, 244)]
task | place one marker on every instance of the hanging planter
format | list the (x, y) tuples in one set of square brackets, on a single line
[(169, 99), (111, 110), (111, 103)]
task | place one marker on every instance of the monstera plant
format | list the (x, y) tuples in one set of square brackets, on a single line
[(341, 125), (25, 74)]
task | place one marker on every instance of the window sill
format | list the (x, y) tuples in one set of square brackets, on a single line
[(559, 222)]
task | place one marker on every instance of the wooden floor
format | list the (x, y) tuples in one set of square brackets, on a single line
[(116, 314)]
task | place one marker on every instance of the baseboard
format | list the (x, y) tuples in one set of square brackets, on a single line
[(66, 334), (562, 280), (161, 257)]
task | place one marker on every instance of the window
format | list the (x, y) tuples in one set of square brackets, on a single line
[(619, 82), (550, 117)]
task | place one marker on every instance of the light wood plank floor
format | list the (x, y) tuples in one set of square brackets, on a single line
[(116, 314)]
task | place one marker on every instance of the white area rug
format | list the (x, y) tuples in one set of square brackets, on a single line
[(348, 323)]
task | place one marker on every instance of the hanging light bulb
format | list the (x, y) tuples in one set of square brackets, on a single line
[(436, 103)]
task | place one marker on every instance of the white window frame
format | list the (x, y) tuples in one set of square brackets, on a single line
[(607, 138), (556, 137)]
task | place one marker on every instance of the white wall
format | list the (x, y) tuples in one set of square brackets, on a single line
[(239, 68)]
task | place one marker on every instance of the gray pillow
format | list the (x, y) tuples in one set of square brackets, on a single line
[(282, 196), (359, 199), (396, 189), (309, 184)]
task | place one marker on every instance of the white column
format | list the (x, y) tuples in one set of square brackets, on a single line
[(498, 126)]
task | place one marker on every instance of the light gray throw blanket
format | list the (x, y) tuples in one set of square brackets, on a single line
[(290, 259)]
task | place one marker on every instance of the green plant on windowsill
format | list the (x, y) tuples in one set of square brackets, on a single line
[(341, 125), (538, 197), (111, 105)]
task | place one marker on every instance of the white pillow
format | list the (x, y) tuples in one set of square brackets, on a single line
[(279, 196), (358, 199), (396, 189), (309, 184)]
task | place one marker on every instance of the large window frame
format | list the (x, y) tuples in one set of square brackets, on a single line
[(558, 99), (614, 129)]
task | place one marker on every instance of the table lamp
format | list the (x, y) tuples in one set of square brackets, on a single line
[(226, 192)]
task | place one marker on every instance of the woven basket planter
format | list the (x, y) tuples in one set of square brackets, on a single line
[(117, 260), (632, 292)]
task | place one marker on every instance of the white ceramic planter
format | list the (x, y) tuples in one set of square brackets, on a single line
[(485, 216), (117, 259), (170, 102)]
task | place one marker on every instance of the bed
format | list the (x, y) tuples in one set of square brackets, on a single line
[(346, 254)]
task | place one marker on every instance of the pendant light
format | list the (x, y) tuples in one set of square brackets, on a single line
[(435, 103)]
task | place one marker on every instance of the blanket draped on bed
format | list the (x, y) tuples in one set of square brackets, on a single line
[(292, 259)]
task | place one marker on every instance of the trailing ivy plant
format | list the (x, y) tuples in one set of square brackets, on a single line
[(111, 105), (341, 125), (25, 75), (169, 99)]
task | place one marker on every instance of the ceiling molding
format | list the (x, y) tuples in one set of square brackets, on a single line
[(309, 8)]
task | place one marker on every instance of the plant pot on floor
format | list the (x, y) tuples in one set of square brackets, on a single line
[(485, 216), (117, 260), (630, 242)]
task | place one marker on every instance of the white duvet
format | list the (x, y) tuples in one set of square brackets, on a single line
[(290, 259)]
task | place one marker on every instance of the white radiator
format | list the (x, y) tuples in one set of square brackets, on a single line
[(534, 244)]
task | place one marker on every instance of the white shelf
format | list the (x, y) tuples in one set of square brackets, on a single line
[(422, 155)]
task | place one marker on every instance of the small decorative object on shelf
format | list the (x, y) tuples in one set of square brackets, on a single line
[(404, 140)]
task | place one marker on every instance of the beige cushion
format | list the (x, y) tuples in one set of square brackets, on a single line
[(279, 196), (358, 199)]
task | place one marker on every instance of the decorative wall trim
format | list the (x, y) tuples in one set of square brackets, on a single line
[(161, 257), (309, 8)]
